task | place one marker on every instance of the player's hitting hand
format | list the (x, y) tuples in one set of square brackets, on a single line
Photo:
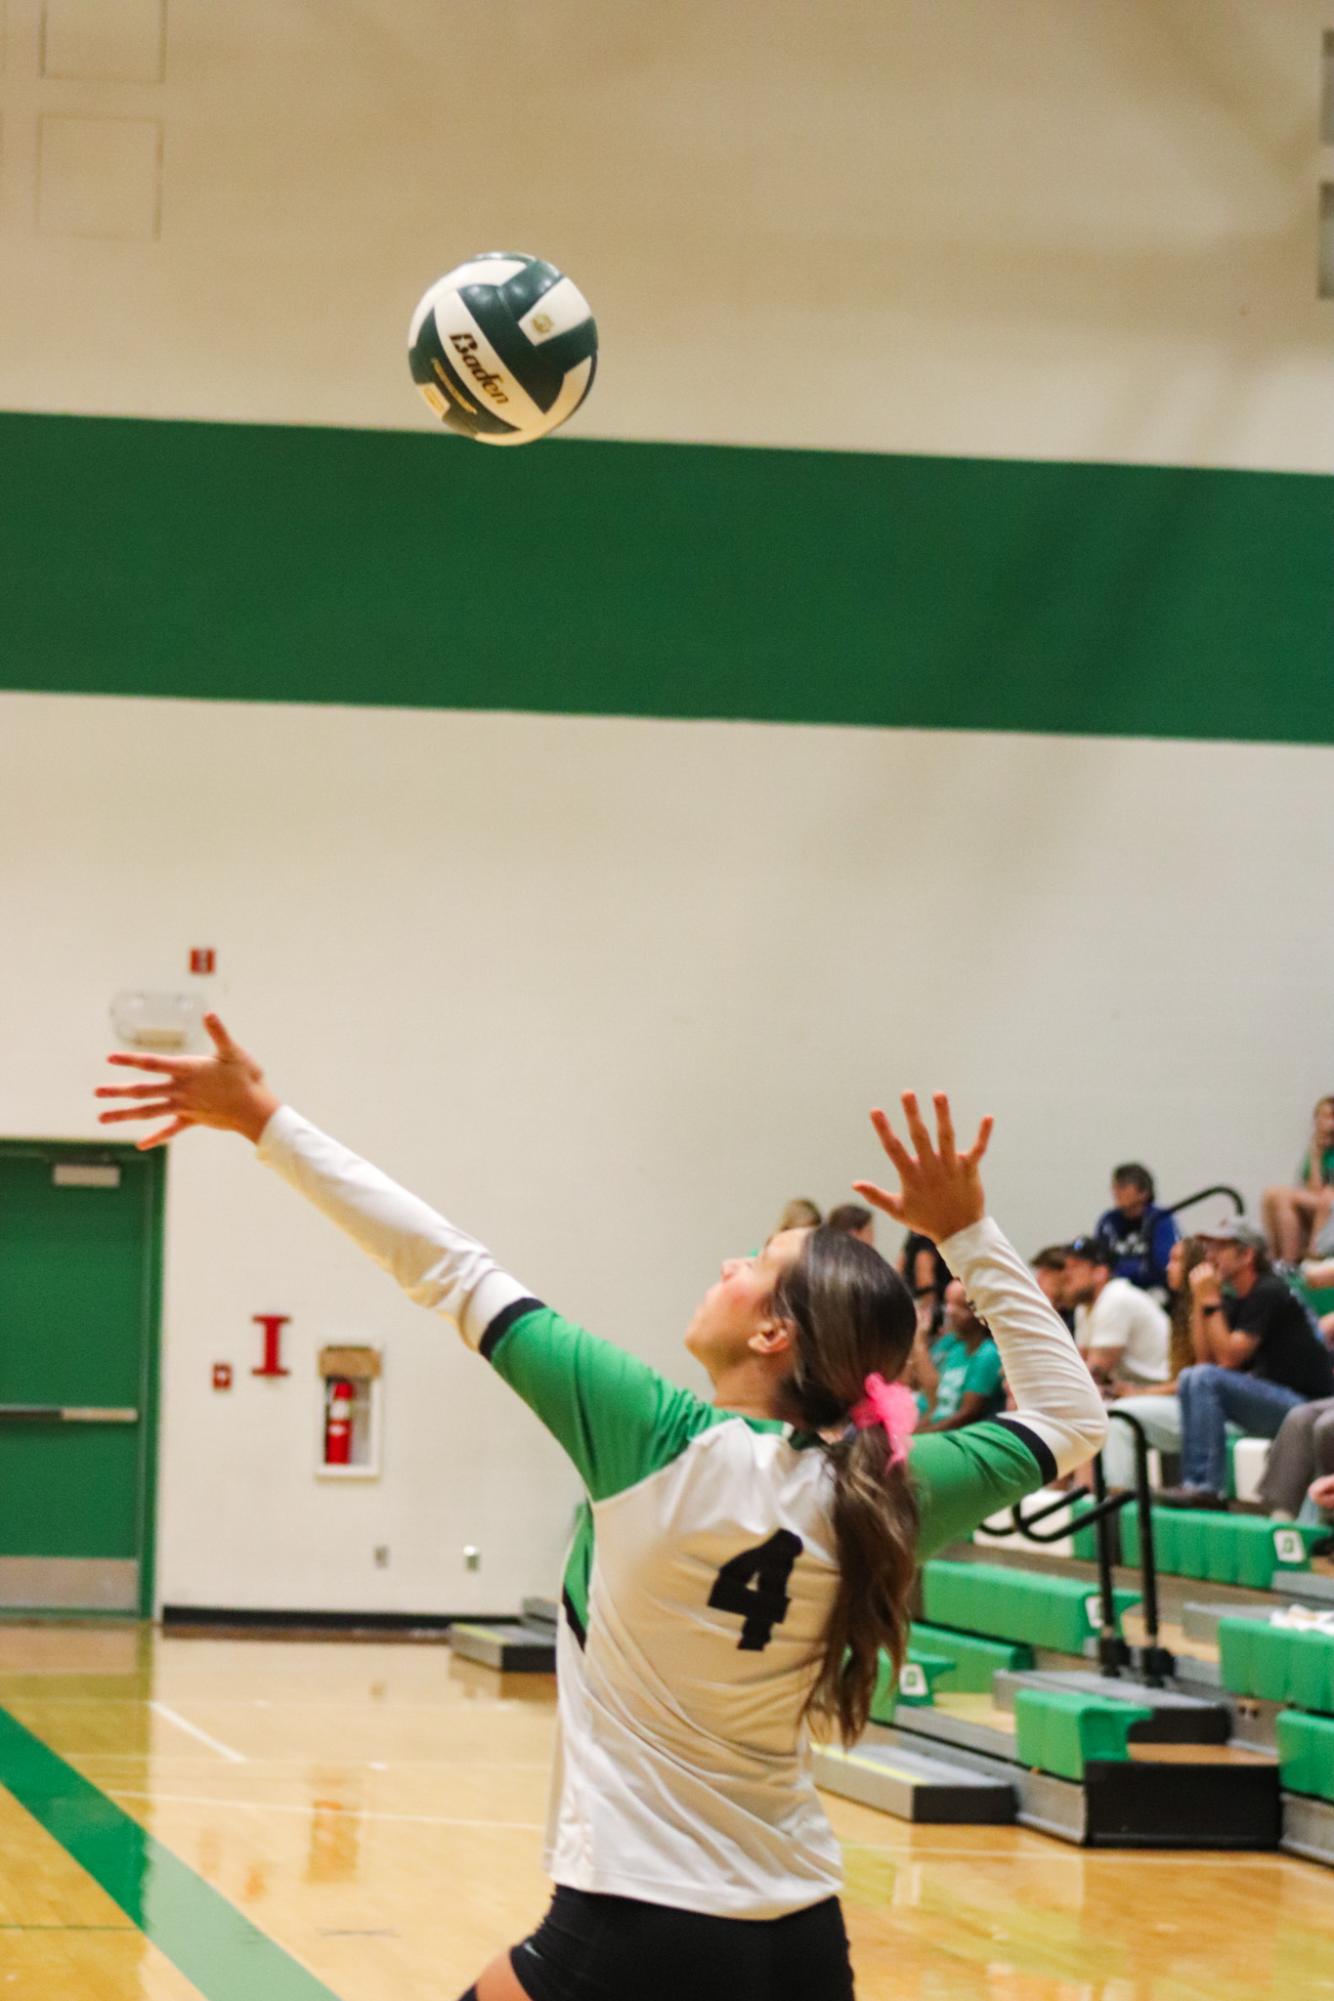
[(940, 1188), (226, 1090)]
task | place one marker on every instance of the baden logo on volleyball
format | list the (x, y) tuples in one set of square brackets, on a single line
[(513, 328), (467, 348)]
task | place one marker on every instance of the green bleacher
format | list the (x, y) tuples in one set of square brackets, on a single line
[(1277, 1663), (1028, 1608), (1306, 1754), (976, 1660), (1106, 1761), (1221, 1548), (966, 1663), (917, 1684), (1061, 1732)]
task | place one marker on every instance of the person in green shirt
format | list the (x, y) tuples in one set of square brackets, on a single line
[(960, 1376), (1294, 1217)]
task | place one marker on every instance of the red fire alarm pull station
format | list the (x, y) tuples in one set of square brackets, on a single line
[(272, 1325), (203, 959)]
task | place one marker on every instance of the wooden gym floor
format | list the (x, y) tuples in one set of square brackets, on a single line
[(291, 1821)]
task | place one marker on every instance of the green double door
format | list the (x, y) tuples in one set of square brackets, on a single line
[(80, 1258)]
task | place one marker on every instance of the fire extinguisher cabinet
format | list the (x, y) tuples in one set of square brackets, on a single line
[(348, 1444)]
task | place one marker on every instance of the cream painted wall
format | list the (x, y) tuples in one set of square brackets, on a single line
[(1037, 230), (609, 992)]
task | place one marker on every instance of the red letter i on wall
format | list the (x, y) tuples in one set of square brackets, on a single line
[(273, 1325)]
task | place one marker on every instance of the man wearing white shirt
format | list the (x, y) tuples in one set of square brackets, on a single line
[(1121, 1331)]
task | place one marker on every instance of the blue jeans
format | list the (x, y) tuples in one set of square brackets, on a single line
[(1211, 1398)]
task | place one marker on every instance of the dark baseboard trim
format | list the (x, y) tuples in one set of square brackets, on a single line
[(327, 1622)]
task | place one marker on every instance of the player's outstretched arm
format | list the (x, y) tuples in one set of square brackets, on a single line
[(226, 1090), (437, 1265), (941, 1195), (617, 1418)]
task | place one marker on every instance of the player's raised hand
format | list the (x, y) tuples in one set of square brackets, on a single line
[(940, 1189), (226, 1090)]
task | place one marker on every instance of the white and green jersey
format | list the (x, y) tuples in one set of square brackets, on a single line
[(704, 1566)]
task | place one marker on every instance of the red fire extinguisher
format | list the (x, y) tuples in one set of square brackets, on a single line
[(339, 1395)]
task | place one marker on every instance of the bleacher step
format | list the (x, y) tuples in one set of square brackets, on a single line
[(1178, 1718), (1308, 1828), (943, 1726), (1163, 1797), (914, 1786), (1200, 1619), (511, 1646)]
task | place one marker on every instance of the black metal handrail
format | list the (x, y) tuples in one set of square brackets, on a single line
[(1155, 1661), (1203, 1194)]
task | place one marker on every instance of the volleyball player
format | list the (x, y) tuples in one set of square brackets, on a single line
[(739, 1563)]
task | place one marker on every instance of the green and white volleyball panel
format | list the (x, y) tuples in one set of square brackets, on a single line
[(503, 349)]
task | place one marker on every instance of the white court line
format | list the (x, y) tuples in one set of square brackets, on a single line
[(1056, 1852), (303, 1760), (193, 1730), (1062, 1851), (348, 1812), (504, 1705)]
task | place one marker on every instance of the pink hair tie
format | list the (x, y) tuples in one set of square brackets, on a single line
[(895, 1407)]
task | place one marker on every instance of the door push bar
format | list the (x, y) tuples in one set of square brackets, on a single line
[(56, 1413)]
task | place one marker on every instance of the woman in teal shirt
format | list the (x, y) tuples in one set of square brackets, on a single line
[(960, 1378)]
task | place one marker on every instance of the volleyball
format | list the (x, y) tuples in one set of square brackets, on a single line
[(503, 348)]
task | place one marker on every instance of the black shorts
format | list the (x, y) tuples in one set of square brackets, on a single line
[(594, 1948)]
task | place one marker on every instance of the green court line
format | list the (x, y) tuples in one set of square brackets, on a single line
[(193, 1925)]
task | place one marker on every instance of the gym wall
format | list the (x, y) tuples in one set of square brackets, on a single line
[(589, 835)]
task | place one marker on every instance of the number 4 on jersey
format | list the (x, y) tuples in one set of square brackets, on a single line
[(754, 1585)]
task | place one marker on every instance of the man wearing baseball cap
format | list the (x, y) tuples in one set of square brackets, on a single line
[(1121, 1331), (1257, 1357)]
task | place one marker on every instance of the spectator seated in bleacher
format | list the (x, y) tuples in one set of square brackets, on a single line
[(798, 1214), (959, 1374), (1137, 1233), (1157, 1407), (1121, 1331), (1317, 1275), (1301, 1455), (1295, 1218), (1049, 1271), (1257, 1356), (854, 1221), (926, 1275)]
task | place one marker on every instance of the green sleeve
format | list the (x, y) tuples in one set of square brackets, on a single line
[(961, 1477), (617, 1418)]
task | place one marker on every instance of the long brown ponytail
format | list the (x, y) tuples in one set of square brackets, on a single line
[(854, 1317)]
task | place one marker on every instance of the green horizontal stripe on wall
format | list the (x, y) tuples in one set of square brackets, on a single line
[(268, 563)]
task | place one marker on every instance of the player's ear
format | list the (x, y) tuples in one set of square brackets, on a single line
[(773, 1337)]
